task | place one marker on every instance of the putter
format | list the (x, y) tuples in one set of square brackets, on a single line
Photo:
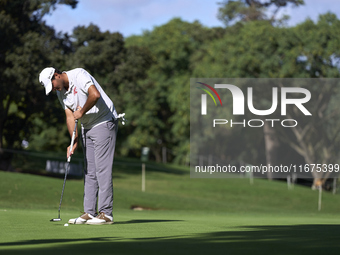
[(66, 171)]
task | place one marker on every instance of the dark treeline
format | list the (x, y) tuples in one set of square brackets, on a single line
[(148, 76)]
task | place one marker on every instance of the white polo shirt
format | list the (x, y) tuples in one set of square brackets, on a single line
[(76, 95)]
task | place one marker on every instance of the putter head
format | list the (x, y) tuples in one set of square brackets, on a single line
[(58, 219)]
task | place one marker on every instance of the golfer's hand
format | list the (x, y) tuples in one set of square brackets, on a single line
[(70, 153), (78, 113)]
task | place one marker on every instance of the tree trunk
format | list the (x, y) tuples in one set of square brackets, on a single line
[(5, 158), (156, 152), (271, 146)]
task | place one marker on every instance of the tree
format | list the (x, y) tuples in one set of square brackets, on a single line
[(247, 50), (254, 10), (258, 49), (99, 52), (28, 46), (161, 114), (250, 10), (118, 69), (316, 55)]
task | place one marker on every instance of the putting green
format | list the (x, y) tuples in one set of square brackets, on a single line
[(191, 216), (169, 232)]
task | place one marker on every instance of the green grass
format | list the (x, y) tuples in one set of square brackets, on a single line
[(190, 216)]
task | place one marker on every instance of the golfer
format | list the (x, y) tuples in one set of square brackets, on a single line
[(83, 98)]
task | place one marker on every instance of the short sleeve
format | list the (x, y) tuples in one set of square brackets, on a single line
[(84, 81)]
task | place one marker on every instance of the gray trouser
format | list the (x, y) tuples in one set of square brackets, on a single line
[(99, 146)]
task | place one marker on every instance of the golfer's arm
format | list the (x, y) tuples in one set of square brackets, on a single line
[(92, 98), (70, 124)]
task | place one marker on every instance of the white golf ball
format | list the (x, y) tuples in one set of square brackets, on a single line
[(65, 225)]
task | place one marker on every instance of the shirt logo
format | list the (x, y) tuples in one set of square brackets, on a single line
[(75, 91)]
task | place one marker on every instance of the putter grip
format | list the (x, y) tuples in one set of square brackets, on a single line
[(72, 140)]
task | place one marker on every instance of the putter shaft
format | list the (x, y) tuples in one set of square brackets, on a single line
[(66, 170)]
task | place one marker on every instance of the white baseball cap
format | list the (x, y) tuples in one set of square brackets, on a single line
[(45, 78)]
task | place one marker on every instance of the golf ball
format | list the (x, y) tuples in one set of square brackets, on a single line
[(65, 225)]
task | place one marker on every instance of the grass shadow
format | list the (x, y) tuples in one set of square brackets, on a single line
[(287, 239), (142, 221)]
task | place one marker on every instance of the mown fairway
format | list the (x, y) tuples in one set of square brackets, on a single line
[(188, 216)]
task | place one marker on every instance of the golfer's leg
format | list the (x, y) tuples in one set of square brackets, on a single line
[(104, 152), (90, 179)]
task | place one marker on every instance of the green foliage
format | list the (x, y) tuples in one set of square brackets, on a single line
[(29, 46), (232, 11), (148, 76), (259, 50), (164, 120), (99, 53), (46, 137)]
